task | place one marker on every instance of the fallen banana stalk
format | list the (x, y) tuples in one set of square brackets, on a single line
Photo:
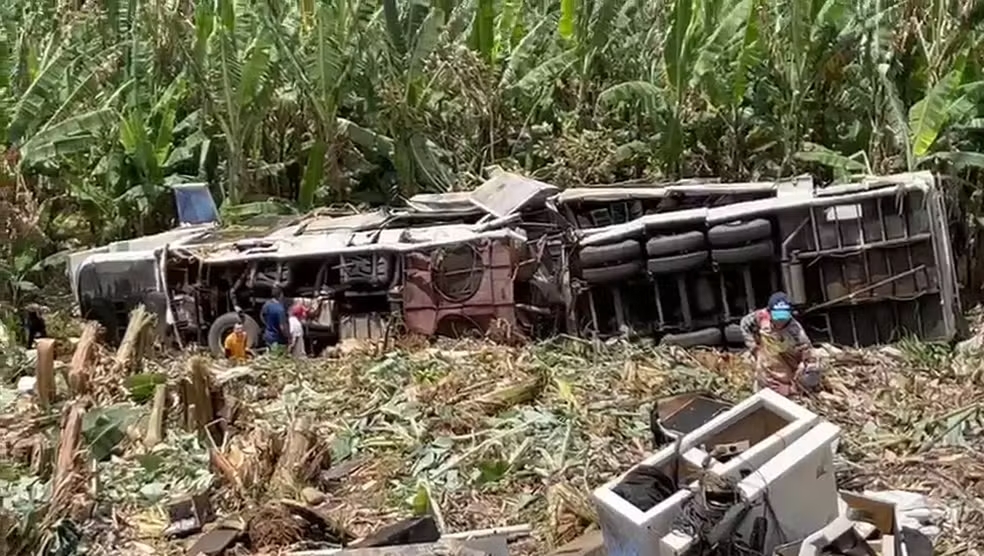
[(510, 532)]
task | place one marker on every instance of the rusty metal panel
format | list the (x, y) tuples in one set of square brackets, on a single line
[(473, 291)]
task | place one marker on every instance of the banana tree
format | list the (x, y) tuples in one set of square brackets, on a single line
[(51, 117), (588, 26), (231, 63), (322, 50), (520, 63), (721, 74), (413, 33), (921, 133), (52, 120), (805, 39), (663, 97), (102, 119)]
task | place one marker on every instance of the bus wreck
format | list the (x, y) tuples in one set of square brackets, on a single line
[(681, 262)]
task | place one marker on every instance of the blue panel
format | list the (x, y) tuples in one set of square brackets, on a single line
[(195, 204)]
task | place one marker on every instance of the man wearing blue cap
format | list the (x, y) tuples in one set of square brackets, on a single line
[(782, 350)]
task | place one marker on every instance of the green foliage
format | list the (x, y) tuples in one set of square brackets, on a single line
[(23, 506), (925, 356), (105, 428), (142, 386), (171, 470)]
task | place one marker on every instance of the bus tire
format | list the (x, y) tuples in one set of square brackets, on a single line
[(222, 326)]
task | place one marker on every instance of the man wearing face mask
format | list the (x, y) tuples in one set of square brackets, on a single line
[(783, 354)]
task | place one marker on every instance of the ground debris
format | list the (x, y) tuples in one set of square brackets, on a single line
[(189, 515), (475, 434), (274, 526), (302, 460)]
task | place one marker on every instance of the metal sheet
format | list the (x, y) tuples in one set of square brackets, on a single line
[(922, 180), (322, 223), (507, 193), (603, 194), (638, 226), (319, 245), (453, 201), (739, 211)]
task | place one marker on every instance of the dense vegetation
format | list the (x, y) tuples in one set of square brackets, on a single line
[(289, 105)]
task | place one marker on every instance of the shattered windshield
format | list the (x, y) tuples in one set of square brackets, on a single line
[(118, 279), (195, 204)]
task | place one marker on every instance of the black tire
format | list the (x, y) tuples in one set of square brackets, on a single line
[(744, 254), (676, 263), (733, 335), (703, 337), (222, 326), (726, 235), (614, 273), (598, 255), (704, 297), (916, 543), (666, 245)]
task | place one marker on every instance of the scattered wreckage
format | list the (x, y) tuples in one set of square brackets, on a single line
[(754, 478), (864, 263)]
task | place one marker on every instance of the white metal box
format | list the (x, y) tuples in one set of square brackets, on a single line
[(766, 421), (796, 493)]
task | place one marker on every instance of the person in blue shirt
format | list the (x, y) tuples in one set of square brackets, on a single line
[(274, 317)]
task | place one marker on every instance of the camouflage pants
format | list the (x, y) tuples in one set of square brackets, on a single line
[(786, 373)]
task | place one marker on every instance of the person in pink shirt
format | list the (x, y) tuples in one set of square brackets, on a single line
[(295, 326)]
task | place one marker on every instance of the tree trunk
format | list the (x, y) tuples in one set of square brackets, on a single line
[(137, 339), (85, 354), (45, 374), (198, 399), (155, 424)]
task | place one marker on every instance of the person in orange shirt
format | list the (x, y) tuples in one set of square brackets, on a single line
[(235, 343)]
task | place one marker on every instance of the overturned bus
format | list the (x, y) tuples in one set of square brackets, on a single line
[(864, 263)]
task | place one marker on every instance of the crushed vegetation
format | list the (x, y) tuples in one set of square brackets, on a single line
[(477, 434)]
